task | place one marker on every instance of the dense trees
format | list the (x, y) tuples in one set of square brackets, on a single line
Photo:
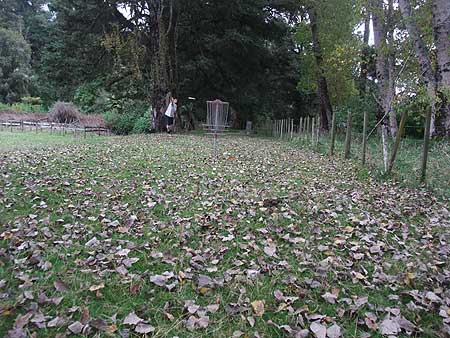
[(15, 55), (269, 58)]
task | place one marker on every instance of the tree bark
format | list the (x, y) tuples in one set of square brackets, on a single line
[(390, 90), (379, 31), (365, 55), (422, 56), (326, 110), (441, 30), (162, 46)]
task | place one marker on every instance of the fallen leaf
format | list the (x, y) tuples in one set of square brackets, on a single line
[(144, 328), (132, 319), (76, 327), (319, 330), (258, 307), (60, 286)]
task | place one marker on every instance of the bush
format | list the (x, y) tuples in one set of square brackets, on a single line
[(128, 116), (63, 112), (121, 124), (92, 98), (32, 101), (142, 124)]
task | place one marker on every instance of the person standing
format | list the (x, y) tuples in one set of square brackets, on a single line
[(170, 114)]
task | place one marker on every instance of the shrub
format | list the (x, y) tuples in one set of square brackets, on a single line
[(33, 101), (121, 124), (64, 112), (142, 124), (128, 116)]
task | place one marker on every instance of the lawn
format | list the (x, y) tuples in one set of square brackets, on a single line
[(29, 140), (123, 237)]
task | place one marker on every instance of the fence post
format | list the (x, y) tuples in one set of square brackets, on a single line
[(300, 127), (426, 144), (281, 129), (348, 137), (333, 133), (286, 128), (312, 131), (308, 124), (318, 131), (364, 147)]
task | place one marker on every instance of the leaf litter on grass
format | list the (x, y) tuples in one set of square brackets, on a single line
[(149, 235)]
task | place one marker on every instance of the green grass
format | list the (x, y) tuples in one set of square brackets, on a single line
[(27, 140), (138, 192), (407, 167)]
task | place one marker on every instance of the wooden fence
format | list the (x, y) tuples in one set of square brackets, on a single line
[(288, 129), (52, 127)]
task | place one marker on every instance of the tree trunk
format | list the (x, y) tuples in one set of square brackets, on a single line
[(326, 110), (441, 30), (421, 54), (379, 32), (390, 90), (162, 46), (362, 83)]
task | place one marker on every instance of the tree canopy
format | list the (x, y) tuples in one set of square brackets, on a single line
[(268, 58)]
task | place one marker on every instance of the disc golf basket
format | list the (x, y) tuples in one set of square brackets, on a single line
[(216, 120)]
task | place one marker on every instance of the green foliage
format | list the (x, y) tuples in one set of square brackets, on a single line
[(127, 116), (245, 56), (15, 56), (34, 101), (90, 97), (23, 108), (340, 49), (142, 124), (119, 123)]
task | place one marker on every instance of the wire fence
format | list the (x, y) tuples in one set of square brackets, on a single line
[(407, 165)]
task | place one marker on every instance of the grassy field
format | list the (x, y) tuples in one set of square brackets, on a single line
[(407, 167), (148, 235), (29, 140)]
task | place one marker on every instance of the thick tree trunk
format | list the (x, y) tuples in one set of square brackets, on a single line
[(421, 54), (162, 44), (441, 29), (326, 110), (379, 32)]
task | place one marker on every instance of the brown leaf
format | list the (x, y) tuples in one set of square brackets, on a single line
[(85, 316), (258, 307), (60, 286), (96, 287)]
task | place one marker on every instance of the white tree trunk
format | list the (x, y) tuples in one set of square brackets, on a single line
[(390, 90), (384, 100), (441, 29), (385, 146)]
